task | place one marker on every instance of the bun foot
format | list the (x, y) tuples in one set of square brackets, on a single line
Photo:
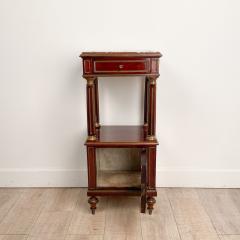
[(93, 204), (150, 202)]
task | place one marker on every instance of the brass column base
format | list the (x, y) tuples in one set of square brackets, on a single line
[(151, 138), (97, 125), (92, 138)]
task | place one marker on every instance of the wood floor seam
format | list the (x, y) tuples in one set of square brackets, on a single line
[(174, 216), (207, 214), (11, 207), (75, 206)]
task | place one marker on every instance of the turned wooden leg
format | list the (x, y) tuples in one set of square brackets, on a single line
[(93, 203), (150, 202)]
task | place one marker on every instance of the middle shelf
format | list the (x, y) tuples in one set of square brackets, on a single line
[(121, 136)]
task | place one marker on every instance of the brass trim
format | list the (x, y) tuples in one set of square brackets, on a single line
[(97, 125), (90, 82), (91, 138), (152, 81), (151, 137)]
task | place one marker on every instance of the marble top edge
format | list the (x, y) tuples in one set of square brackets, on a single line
[(124, 54)]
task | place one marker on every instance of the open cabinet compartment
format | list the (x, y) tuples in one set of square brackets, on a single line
[(118, 167)]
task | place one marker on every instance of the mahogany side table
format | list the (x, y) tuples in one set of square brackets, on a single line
[(140, 179)]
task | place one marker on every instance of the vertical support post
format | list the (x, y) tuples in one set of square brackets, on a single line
[(151, 177), (92, 176), (151, 167), (143, 180), (91, 108), (97, 103), (145, 126), (97, 124), (152, 108), (92, 168)]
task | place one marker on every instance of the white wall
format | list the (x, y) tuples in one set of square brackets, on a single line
[(42, 94)]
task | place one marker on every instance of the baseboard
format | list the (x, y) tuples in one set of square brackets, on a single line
[(43, 178), (199, 178), (205, 178)]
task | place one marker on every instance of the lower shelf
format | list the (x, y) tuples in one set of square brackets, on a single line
[(114, 192), (119, 179), (119, 192)]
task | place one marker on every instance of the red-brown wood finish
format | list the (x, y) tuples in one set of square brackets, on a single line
[(96, 103), (145, 125), (121, 136), (92, 173), (91, 108), (121, 66), (143, 181), (120, 63), (110, 64), (151, 120)]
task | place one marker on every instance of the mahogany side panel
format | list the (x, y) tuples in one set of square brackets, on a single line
[(92, 168), (151, 163)]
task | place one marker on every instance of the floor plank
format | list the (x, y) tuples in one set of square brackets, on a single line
[(230, 237), (47, 237), (235, 196), (87, 224), (121, 236), (62, 199), (8, 197), (52, 223), (84, 237), (13, 237), (192, 220), (31, 198), (24, 213), (83, 222), (123, 218), (222, 205), (161, 224), (18, 222)]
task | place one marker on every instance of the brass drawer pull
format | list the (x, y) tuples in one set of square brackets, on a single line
[(120, 66)]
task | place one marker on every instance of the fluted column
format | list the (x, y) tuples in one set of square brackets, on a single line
[(91, 108), (145, 126), (151, 105)]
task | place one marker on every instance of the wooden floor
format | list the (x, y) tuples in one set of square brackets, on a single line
[(63, 214)]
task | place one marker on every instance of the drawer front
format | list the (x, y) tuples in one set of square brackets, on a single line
[(121, 66)]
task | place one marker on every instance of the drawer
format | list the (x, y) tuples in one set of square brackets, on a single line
[(121, 66)]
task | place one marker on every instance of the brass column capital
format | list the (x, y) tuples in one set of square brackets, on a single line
[(90, 80)]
